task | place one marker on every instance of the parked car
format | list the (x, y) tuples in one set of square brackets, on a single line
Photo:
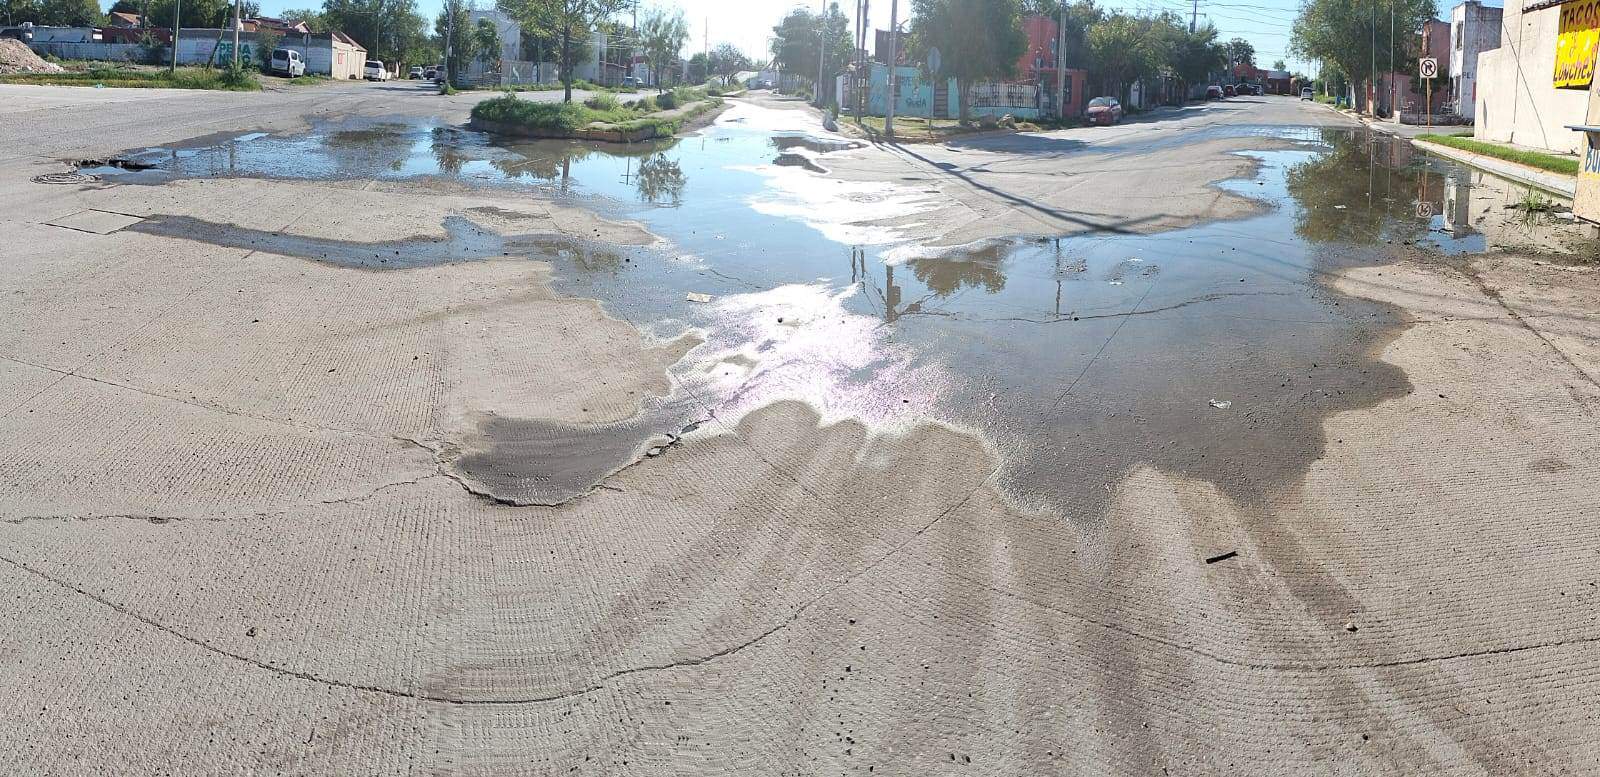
[(1260, 91), (375, 71), (438, 74), (629, 82), (1228, 90), (1307, 94), (1103, 110), (416, 73), (1213, 92), (287, 63)]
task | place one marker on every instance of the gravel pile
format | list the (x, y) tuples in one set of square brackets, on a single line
[(16, 57)]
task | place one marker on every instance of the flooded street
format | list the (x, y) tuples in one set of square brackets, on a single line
[(1215, 351), (338, 439)]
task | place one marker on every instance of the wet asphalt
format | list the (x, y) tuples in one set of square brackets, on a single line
[(1213, 352)]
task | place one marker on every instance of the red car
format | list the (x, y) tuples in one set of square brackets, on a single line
[(1103, 110), (1229, 91)]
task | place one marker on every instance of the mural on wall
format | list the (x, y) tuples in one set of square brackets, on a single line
[(1577, 44)]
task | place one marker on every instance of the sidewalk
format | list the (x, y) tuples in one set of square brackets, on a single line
[(1554, 183)]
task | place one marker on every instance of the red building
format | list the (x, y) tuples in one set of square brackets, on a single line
[(1037, 66)]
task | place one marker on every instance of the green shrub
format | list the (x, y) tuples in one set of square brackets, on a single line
[(602, 102), (238, 77), (647, 105), (510, 109), (667, 100)]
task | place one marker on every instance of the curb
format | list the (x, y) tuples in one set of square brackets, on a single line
[(1553, 183)]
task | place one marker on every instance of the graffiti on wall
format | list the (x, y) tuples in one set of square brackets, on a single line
[(225, 51), (1577, 44)]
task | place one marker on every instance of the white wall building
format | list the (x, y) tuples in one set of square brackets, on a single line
[(1517, 101), (1474, 29)]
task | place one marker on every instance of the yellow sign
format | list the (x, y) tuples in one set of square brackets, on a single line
[(1577, 44)]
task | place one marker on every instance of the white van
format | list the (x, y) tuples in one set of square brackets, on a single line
[(287, 62), (375, 71)]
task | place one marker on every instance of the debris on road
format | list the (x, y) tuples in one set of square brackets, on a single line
[(695, 296), (1222, 557), (1221, 404)]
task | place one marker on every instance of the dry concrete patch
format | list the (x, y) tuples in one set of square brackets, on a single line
[(99, 222)]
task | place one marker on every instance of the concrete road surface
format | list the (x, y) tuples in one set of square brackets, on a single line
[(342, 440)]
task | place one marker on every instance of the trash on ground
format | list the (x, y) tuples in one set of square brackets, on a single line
[(1222, 557), (1221, 404), (695, 296)]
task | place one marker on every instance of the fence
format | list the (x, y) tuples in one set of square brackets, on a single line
[(105, 52), (1003, 96)]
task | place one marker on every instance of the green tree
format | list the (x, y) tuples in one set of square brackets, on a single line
[(726, 60), (1349, 35), (568, 21), (1280, 65), (1122, 50), (977, 39), (68, 13), (699, 69), (19, 11), (311, 19), (390, 30), (662, 35), (460, 45), (1194, 55), (798, 37), (1240, 52), (486, 41), (266, 41), (196, 13)]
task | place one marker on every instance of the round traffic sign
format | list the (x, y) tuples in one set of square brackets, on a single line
[(1429, 67)]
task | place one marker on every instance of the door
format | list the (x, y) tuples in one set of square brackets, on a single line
[(941, 98)]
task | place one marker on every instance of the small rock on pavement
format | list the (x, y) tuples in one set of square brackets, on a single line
[(1351, 626)]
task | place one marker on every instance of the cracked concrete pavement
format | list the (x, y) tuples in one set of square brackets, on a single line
[(233, 542)]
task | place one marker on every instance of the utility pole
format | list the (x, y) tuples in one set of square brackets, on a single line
[(449, 37), (894, 59), (1394, 94), (1194, 15), (177, 11), (1061, 62), (822, 53), (1372, 82), (235, 34)]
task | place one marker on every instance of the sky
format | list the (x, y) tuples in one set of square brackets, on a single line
[(748, 23)]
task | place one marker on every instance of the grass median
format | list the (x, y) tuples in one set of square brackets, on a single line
[(117, 77), (1555, 164), (562, 119)]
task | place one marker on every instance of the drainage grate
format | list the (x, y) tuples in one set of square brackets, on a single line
[(66, 178)]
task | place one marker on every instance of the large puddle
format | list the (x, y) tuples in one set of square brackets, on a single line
[(1215, 351)]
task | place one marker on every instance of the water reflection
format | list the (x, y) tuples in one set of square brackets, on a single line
[(1008, 337)]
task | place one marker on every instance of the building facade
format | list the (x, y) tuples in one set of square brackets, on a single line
[(1474, 29), (1518, 97)]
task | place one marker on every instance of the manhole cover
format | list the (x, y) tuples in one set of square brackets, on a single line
[(66, 178)]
